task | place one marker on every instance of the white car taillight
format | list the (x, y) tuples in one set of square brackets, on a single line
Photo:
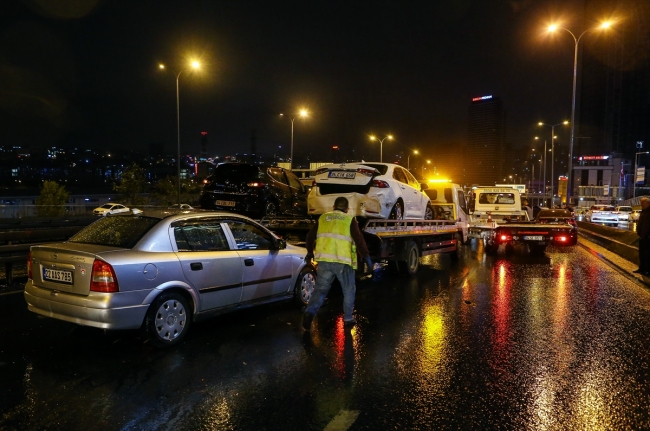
[(380, 184), (103, 278), (29, 265)]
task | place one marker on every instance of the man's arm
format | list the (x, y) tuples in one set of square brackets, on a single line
[(357, 236), (311, 239)]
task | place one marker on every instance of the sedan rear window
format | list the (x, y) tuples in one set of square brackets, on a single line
[(235, 173), (123, 232)]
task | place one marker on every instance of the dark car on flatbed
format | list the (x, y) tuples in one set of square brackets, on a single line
[(254, 190)]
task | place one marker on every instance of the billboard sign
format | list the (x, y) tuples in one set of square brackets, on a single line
[(640, 175)]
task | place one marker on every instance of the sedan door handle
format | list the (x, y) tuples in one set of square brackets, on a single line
[(249, 262), (196, 266)]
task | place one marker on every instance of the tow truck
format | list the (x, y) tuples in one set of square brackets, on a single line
[(496, 217)]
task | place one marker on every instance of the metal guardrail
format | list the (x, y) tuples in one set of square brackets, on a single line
[(17, 236)]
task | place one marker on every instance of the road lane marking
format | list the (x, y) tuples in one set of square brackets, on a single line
[(342, 421)]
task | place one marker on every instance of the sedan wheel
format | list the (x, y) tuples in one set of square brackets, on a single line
[(397, 213), (168, 319), (428, 213), (270, 210), (305, 285)]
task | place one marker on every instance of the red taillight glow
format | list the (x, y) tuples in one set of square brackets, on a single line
[(366, 172), (103, 278), (256, 184), (505, 237), (561, 238), (29, 265), (380, 184)]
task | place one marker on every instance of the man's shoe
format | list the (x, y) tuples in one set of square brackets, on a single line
[(306, 321), (350, 322), (637, 271)]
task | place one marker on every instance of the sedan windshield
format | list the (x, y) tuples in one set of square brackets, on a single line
[(124, 232)]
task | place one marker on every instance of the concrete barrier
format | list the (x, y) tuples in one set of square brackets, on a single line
[(624, 243)]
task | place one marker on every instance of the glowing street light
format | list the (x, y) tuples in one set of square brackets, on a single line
[(552, 28), (302, 113), (408, 159), (552, 126), (193, 65), (381, 145)]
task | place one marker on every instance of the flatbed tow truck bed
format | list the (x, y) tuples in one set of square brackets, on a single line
[(400, 243)]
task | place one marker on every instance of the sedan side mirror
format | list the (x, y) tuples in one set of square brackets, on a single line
[(280, 244)]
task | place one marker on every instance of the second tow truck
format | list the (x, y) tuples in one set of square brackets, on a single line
[(496, 217)]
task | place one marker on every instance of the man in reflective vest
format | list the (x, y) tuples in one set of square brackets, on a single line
[(337, 239)]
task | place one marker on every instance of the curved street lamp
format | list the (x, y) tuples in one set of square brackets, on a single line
[(552, 126), (303, 113), (381, 145), (552, 28), (194, 65)]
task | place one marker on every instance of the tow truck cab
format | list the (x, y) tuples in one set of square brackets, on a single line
[(499, 204), (449, 202)]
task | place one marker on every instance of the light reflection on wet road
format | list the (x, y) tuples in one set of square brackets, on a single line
[(557, 342)]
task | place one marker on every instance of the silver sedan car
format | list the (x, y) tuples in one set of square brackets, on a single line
[(161, 271)]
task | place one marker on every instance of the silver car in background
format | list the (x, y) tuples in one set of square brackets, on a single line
[(161, 271)]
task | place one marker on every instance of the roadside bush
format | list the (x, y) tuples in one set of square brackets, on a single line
[(52, 199)]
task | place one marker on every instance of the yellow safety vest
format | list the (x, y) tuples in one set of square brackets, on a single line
[(333, 240)]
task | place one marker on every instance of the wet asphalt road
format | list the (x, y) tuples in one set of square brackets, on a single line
[(511, 342)]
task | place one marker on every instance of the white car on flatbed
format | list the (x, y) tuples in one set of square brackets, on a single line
[(373, 190)]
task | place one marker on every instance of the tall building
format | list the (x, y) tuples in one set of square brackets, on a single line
[(486, 134)]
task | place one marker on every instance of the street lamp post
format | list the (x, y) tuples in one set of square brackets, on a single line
[(552, 28), (408, 159), (544, 183), (636, 156), (381, 145), (552, 126), (423, 165), (194, 65), (302, 114)]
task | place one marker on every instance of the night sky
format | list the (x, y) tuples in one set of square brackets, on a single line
[(85, 72)]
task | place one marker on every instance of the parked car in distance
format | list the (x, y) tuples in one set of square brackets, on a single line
[(109, 209), (162, 271), (634, 215), (560, 216), (373, 190), (624, 213), (181, 207), (254, 190), (605, 214)]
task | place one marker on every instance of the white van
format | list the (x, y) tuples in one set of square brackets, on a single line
[(449, 203)]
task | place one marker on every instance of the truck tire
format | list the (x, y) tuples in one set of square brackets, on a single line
[(409, 267), (490, 248), (510, 249), (537, 249)]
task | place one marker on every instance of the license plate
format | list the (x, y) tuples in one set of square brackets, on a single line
[(346, 175), (57, 275), (533, 238), (225, 203)]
